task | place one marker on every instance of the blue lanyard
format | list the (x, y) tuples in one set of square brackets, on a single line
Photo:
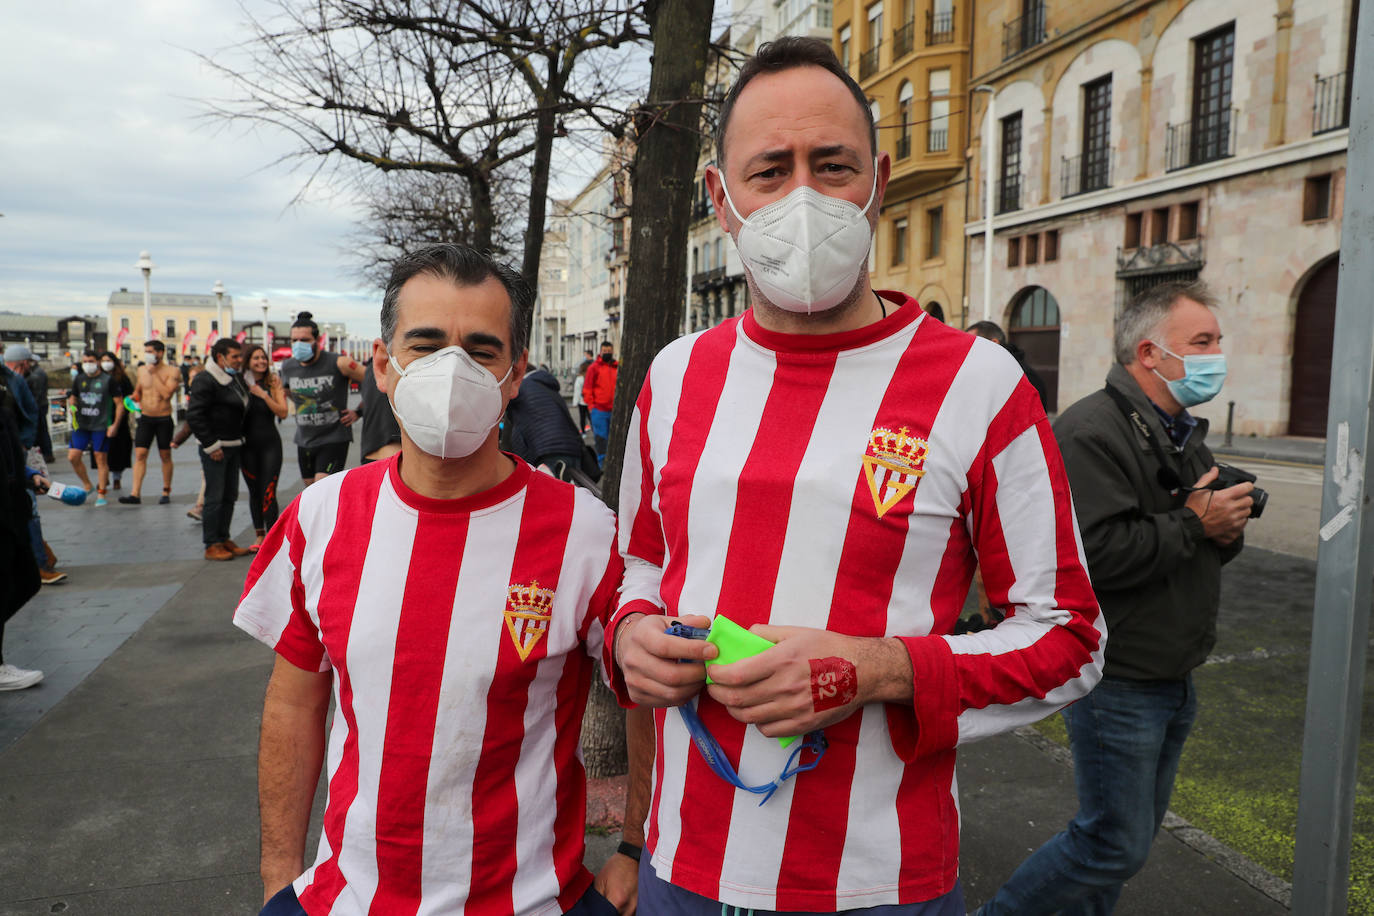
[(715, 758)]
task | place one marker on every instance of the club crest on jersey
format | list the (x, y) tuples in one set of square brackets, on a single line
[(529, 609), (893, 463)]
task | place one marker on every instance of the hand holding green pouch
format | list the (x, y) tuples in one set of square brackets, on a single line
[(734, 643)]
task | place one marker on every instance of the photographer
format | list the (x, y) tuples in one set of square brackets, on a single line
[(1155, 534)]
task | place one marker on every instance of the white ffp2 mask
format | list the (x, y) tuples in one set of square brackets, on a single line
[(805, 251), (446, 401)]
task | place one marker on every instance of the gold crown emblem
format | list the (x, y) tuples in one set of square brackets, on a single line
[(899, 450), (530, 600)]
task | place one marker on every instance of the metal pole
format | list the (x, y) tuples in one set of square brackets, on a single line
[(1345, 556), (145, 264), (219, 308), (989, 166)]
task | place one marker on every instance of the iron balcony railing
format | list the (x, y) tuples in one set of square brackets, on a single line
[(940, 27), (707, 278), (903, 40), (701, 209), (612, 303), (1008, 194), (937, 140), (904, 146), (1090, 172), (1023, 32), (868, 62), (1331, 105), (1205, 139)]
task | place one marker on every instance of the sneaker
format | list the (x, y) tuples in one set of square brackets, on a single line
[(217, 552), (12, 678), (130, 500), (51, 576), (193, 512), (101, 501), (235, 549), (165, 500), (49, 556)]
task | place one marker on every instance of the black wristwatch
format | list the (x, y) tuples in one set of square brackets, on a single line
[(630, 849)]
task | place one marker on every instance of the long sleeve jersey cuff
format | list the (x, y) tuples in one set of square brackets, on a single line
[(613, 672), (931, 723)]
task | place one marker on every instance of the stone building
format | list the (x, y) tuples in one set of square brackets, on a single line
[(186, 323), (1151, 140), (54, 340)]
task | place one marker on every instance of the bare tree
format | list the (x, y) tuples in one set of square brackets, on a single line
[(465, 88)]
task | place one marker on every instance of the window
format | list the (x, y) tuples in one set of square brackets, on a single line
[(875, 26), (191, 325), (696, 260), (1009, 187), (1188, 221), (171, 328), (938, 129), (1032, 245), (844, 47), (904, 95), (1097, 135), (1133, 221), (1212, 69), (1159, 226), (1052, 245), (214, 325), (935, 229), (124, 324), (720, 253), (1014, 252), (898, 242), (1316, 198)]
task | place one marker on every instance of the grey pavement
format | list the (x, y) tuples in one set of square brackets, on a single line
[(1291, 449), (128, 784)]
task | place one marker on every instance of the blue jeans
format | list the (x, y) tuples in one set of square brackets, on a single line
[(1127, 737), (601, 431), (40, 555)]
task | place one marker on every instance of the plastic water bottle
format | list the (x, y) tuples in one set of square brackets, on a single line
[(72, 496)]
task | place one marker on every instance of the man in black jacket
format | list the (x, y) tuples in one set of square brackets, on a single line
[(541, 429), (215, 413), (1155, 537)]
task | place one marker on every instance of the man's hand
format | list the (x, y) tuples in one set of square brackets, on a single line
[(810, 679), (41, 484), (618, 882), (348, 417), (1223, 513), (649, 659), (110, 430), (217, 455)]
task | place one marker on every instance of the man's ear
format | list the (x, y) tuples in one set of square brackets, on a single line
[(517, 373), (381, 366), (1145, 354), (715, 188)]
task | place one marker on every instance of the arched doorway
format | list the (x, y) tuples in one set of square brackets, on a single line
[(1314, 331), (934, 310), (1034, 328)]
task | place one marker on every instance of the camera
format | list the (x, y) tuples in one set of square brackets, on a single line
[(1228, 476)]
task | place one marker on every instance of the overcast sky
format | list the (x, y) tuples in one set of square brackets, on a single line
[(102, 155)]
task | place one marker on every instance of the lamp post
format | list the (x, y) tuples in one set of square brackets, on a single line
[(219, 308), (146, 265), (989, 165), (266, 332)]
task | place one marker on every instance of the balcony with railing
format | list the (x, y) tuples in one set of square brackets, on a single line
[(1204, 139), (701, 209), (868, 61), (940, 27), (1089, 172), (1331, 105), (1008, 194), (903, 41), (706, 279), (611, 303), (1023, 33), (904, 146), (937, 139)]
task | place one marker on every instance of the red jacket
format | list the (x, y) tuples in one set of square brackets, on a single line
[(598, 389)]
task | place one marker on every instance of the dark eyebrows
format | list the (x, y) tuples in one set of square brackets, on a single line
[(838, 149), (483, 339), (424, 334)]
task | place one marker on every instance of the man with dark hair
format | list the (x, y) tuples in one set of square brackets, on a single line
[(825, 471), (156, 386), (317, 383), (215, 413), (97, 415), (990, 330), (598, 390), (461, 598), (1155, 547)]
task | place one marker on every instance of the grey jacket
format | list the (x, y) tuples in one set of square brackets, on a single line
[(1156, 575)]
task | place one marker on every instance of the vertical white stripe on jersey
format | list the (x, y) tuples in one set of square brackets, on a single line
[(376, 614), (461, 718), (872, 805)]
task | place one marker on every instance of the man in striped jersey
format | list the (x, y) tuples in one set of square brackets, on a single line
[(454, 601), (827, 470)]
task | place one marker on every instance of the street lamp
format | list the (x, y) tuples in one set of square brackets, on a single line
[(266, 332), (146, 265), (989, 164), (219, 308)]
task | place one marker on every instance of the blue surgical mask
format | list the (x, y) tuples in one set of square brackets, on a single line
[(302, 350), (1203, 376), (230, 370)]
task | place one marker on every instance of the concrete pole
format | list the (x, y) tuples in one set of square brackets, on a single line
[(219, 308), (145, 264), (989, 208), (1345, 555)]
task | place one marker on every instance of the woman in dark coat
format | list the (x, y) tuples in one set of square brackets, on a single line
[(121, 446)]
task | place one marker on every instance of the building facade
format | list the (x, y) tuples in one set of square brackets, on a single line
[(54, 340), (1134, 143), (186, 323)]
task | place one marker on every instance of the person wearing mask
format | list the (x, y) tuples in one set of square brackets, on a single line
[(381, 436), (599, 392), (120, 447), (1155, 535), (542, 430), (215, 413), (156, 386), (584, 417), (97, 415), (824, 471), (481, 590), (317, 383), (22, 361), (261, 456)]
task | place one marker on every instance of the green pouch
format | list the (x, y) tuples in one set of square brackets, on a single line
[(734, 643)]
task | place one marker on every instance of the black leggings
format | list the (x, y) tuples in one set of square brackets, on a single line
[(261, 468)]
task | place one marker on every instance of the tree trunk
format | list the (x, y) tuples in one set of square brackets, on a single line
[(483, 210), (603, 733), (669, 140)]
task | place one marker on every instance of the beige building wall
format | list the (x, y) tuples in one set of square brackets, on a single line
[(174, 314)]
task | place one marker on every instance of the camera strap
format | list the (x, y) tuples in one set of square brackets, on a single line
[(1167, 475)]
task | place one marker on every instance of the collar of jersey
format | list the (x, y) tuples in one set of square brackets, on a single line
[(906, 312), (474, 503)]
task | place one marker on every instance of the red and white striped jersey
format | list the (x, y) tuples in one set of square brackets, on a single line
[(462, 635), (852, 482)]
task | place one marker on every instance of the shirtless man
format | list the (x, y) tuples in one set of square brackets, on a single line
[(157, 384)]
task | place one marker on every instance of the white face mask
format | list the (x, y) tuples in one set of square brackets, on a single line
[(90, 368), (107, 366), (447, 402), (806, 251), (150, 358)]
